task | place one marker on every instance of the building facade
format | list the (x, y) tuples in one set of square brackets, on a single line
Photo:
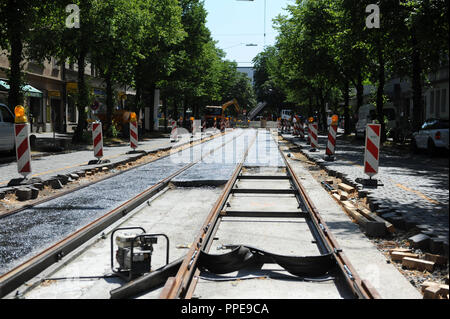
[(50, 93)]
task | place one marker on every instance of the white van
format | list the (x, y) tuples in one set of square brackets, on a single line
[(286, 114), (7, 138), (368, 111)]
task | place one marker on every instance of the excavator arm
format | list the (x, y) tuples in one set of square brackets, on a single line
[(232, 102)]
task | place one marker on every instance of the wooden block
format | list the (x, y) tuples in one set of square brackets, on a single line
[(398, 256), (403, 250), (443, 290), (438, 259), (427, 284), (347, 188), (360, 219), (419, 264), (344, 195), (431, 292), (372, 216), (329, 181)]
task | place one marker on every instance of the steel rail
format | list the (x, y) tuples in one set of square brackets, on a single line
[(183, 284), (361, 288), (33, 266)]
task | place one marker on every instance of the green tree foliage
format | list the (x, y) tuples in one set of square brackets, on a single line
[(324, 48)]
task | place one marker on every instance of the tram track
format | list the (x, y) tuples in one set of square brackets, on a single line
[(263, 219), (201, 264), (48, 256)]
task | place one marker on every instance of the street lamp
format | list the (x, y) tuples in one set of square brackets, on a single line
[(265, 7)]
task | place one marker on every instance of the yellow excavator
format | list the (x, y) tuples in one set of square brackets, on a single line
[(215, 114)]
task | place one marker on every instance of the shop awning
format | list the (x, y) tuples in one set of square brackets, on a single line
[(27, 89)]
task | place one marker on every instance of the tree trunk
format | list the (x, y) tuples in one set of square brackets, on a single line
[(164, 101), (416, 84), (83, 98), (346, 108), (380, 91), (15, 96), (359, 92), (109, 105), (148, 97)]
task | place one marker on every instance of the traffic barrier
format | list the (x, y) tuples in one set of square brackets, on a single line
[(196, 127), (301, 130), (22, 139), (331, 145), (174, 132), (313, 137), (134, 140), (97, 136), (295, 132), (371, 154)]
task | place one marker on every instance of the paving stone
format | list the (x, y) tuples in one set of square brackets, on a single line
[(34, 192), (55, 183), (81, 173), (437, 245), (74, 176), (23, 194), (410, 223), (420, 241), (39, 186), (63, 179)]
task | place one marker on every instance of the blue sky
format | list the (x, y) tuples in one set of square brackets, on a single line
[(234, 23)]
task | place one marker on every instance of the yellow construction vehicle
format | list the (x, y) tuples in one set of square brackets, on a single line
[(215, 114)]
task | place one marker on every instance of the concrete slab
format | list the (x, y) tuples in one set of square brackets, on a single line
[(279, 236), (264, 203), (179, 220)]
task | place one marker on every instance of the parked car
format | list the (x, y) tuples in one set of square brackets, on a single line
[(367, 113), (7, 139), (432, 136)]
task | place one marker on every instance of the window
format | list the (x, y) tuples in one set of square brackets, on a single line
[(6, 115)]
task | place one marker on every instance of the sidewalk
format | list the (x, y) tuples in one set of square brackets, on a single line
[(415, 187), (46, 164)]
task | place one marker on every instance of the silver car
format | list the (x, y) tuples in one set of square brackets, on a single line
[(7, 138)]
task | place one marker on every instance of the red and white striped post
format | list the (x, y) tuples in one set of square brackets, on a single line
[(22, 138), (332, 134), (301, 130), (174, 132), (97, 137), (134, 135), (313, 137), (372, 149), (295, 128)]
